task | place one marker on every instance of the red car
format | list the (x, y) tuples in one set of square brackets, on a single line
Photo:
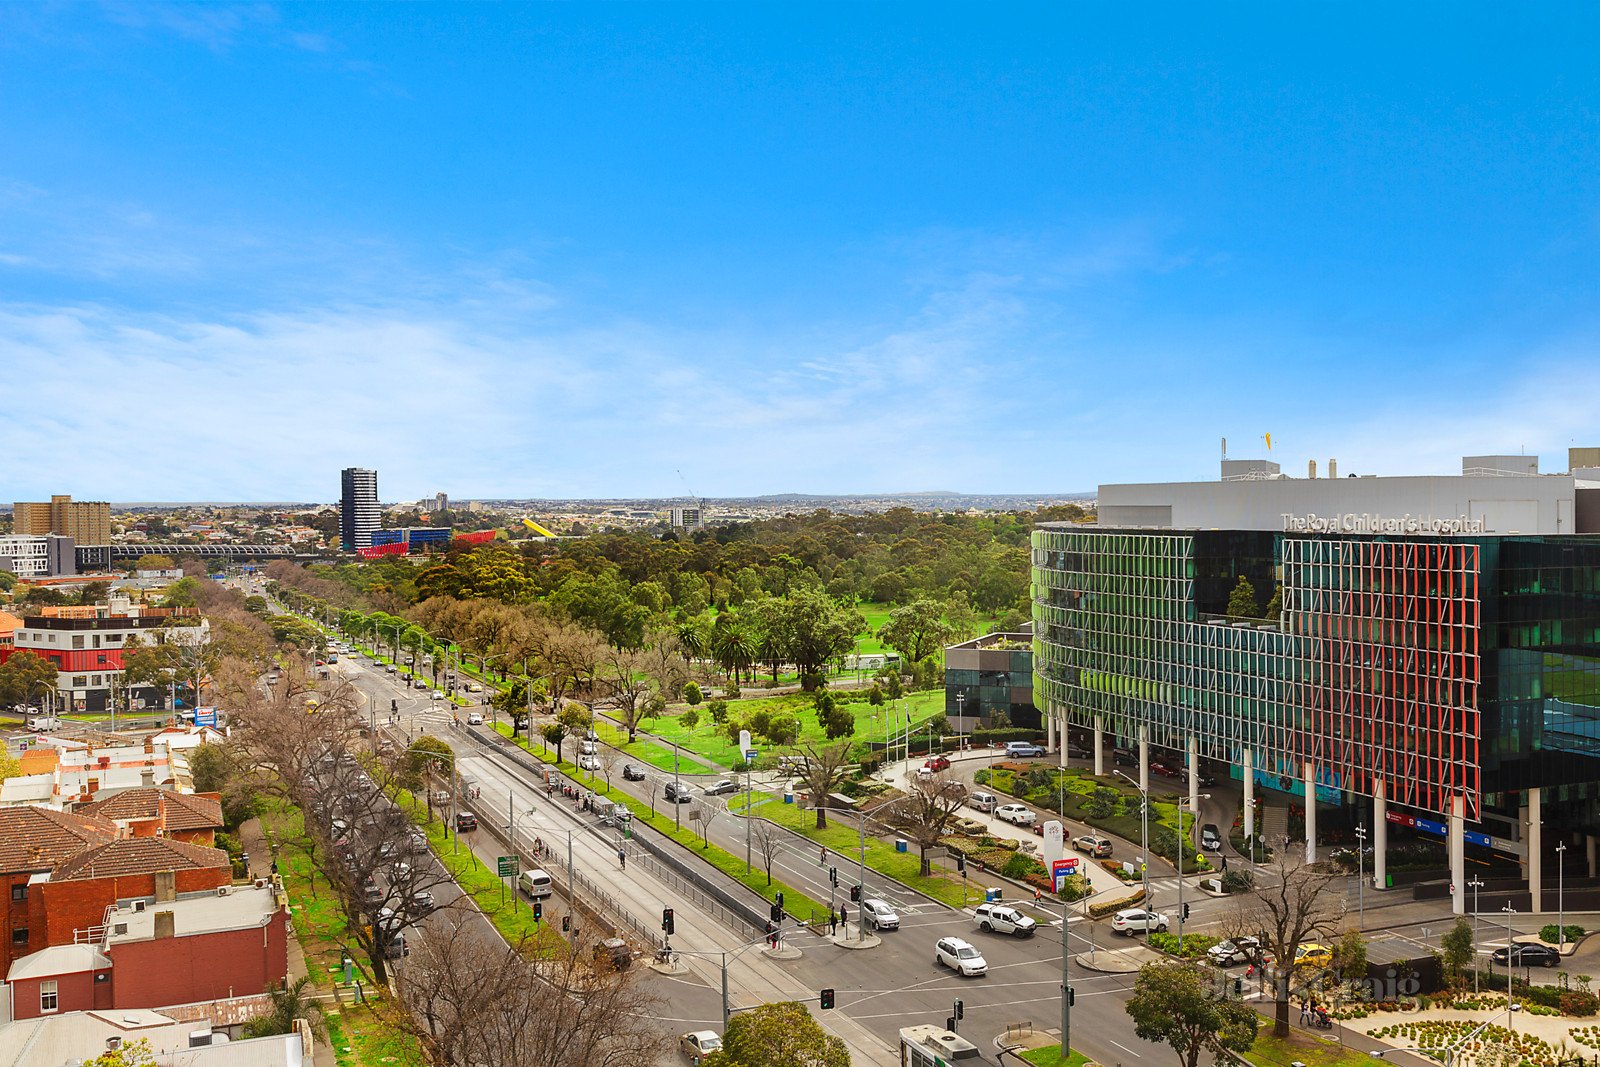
[(934, 765), (1165, 770)]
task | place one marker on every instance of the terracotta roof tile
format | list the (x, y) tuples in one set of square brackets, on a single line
[(180, 811), (36, 839), (138, 855)]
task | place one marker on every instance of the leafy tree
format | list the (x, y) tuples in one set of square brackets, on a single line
[(10, 766), (917, 630), (837, 722), (1242, 603), (1274, 606), (512, 702), (26, 676), (824, 769), (182, 593), (128, 1054), (778, 1035), (1458, 949), (8, 581), (1103, 802), (152, 562), (422, 754), (895, 688), (689, 719), (1350, 956), (812, 628), (875, 695), (554, 734), (1176, 1004), (719, 711), (692, 694)]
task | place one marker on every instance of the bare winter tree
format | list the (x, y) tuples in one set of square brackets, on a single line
[(476, 1002), (825, 767), (767, 840), (628, 688), (1294, 904), (925, 813)]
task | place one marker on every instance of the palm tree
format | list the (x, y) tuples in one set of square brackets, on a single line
[(731, 644), (293, 1001), (692, 640)]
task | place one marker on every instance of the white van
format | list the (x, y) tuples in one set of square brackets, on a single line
[(43, 724), (535, 883)]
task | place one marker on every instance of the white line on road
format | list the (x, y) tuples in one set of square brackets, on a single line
[(1123, 1047)]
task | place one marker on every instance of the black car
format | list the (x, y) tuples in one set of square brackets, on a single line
[(1211, 837), (632, 772), (678, 793), (1125, 757), (465, 821), (1526, 955)]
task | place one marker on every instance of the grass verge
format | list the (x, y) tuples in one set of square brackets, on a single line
[(1270, 1051), (1050, 1056)]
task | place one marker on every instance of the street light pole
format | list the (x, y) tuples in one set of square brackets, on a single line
[(1183, 839), (1510, 969), (1066, 984), (1561, 899), (1476, 884), (1144, 861), (1361, 877)]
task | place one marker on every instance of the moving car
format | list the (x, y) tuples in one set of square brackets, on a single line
[(437, 694), (1092, 844), (536, 883), (1023, 749), (632, 772), (1124, 757), (1233, 951), (422, 902), (879, 914), (587, 748), (933, 765), (699, 1044), (589, 762), (1166, 770), (1211, 837), (677, 792), (475, 718), (726, 785), (1523, 954), (1003, 919), (465, 821), (1132, 921), (983, 801), (1020, 814), (959, 956)]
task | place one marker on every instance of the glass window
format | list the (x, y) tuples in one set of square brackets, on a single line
[(19, 935), (77, 640), (47, 996), (19, 892), (80, 680)]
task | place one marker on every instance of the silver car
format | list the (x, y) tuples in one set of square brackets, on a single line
[(879, 914)]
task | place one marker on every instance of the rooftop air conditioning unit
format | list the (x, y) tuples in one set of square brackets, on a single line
[(222, 890), (138, 905)]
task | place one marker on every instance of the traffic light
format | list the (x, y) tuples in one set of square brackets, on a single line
[(833, 875), (667, 925), (778, 896), (1072, 996), (827, 998), (961, 863), (855, 893), (566, 923), (1185, 911), (961, 1010), (538, 910), (777, 913)]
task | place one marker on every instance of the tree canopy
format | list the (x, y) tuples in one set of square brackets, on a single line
[(778, 1035)]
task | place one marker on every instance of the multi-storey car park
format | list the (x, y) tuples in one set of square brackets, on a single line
[(1432, 658)]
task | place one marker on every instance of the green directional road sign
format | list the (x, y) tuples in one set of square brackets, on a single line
[(508, 866)]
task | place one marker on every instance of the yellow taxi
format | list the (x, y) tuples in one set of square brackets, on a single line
[(1312, 954)]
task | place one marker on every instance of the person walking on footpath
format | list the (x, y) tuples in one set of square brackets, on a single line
[(622, 858), (833, 922)]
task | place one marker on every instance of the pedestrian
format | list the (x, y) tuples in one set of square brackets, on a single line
[(822, 857), (1036, 895), (622, 858), (844, 916), (833, 922), (1224, 864), (1305, 1010)]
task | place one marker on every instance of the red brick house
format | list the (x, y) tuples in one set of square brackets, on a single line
[(172, 949), (33, 841), (76, 893), (151, 812)]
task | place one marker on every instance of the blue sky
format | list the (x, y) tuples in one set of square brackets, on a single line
[(571, 250)]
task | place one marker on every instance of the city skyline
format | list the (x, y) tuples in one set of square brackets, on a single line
[(883, 251)]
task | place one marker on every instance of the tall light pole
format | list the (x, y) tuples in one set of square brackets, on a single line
[(1361, 876), (1476, 884), (1561, 900), (1066, 985), (1144, 861), (1510, 970), (1183, 839)]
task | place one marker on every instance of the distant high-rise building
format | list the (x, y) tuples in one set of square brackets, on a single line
[(441, 502), (686, 518), (359, 511), (87, 522)]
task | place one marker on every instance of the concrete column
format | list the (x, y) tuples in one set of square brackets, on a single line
[(1457, 850), (1049, 732), (1194, 777), (1100, 766), (1144, 759), (1589, 852), (1533, 838), (1248, 774), (1311, 813), (1380, 837)]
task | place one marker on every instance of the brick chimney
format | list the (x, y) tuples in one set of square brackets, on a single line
[(166, 925), (166, 886)]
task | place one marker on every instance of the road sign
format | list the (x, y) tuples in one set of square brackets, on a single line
[(205, 716), (508, 866), (750, 755)]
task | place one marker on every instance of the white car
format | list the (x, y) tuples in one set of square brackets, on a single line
[(1132, 921), (475, 718), (879, 914), (589, 762), (1003, 919), (1020, 814), (437, 694), (959, 956), (699, 1044)]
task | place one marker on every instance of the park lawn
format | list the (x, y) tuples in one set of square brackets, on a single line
[(1270, 1051), (644, 751), (1050, 1056), (707, 739), (796, 902), (368, 1035), (843, 836)]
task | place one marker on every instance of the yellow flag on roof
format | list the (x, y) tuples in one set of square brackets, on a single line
[(1269, 442)]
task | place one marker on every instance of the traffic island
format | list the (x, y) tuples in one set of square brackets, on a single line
[(1118, 960), (847, 941), (784, 951), (1043, 1047)]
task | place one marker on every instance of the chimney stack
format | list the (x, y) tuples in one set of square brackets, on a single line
[(1311, 469), (1333, 468)]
